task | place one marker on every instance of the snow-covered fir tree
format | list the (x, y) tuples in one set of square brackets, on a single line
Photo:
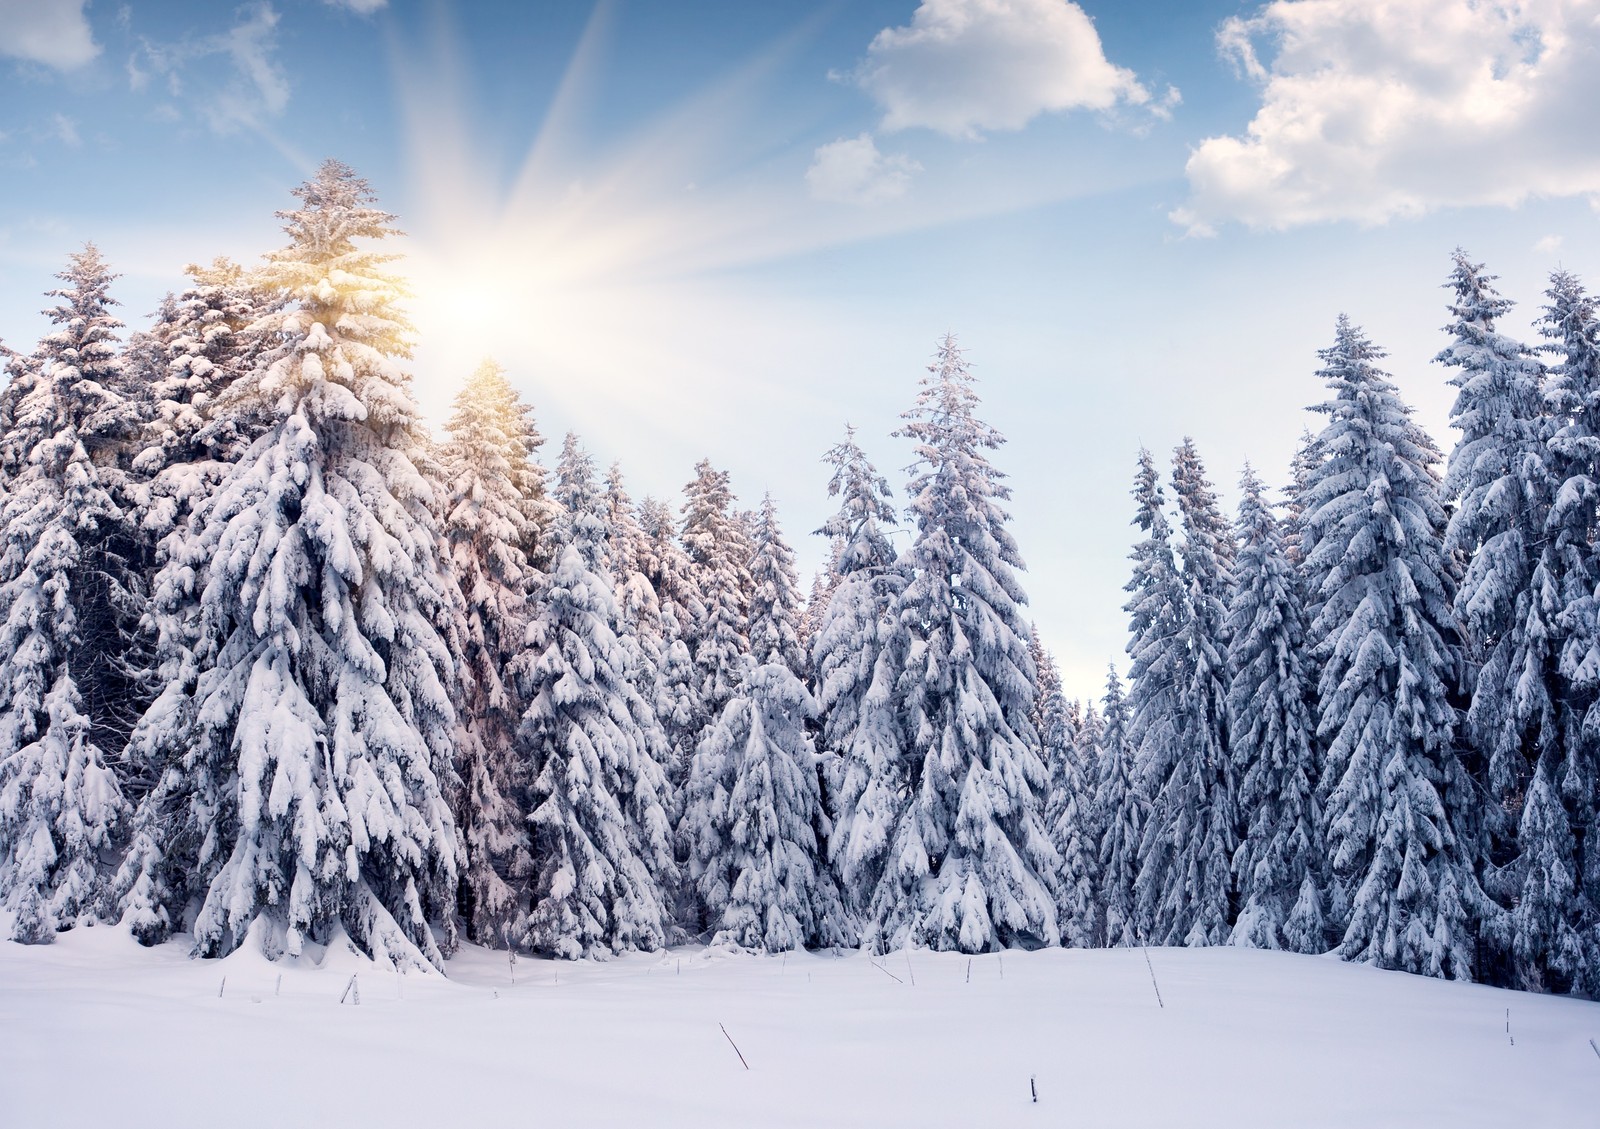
[(1070, 815), (1280, 864), (966, 856), (1157, 672), (1568, 577), (714, 537), (494, 516), (844, 657), (1120, 811), (678, 705), (200, 343), (64, 593), (1500, 476), (602, 842), (1185, 860), (303, 738), (1404, 892), (754, 817)]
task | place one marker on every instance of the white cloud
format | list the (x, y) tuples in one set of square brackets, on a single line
[(965, 66), (255, 85), (1371, 111), (65, 130), (853, 171), (53, 32), (1549, 245), (360, 7)]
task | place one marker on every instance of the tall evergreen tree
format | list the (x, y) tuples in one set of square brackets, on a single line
[(1070, 815), (844, 657), (966, 853), (719, 551), (1404, 891), (1499, 473), (1568, 579), (1185, 875), (755, 817), (491, 524), (1280, 861), (1121, 811), (602, 843), (304, 742), (62, 586)]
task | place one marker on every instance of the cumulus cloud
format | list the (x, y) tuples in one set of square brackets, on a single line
[(963, 67), (53, 32), (1371, 111), (360, 7), (853, 171), (1549, 245)]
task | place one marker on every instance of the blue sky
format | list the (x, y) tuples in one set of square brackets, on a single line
[(727, 229)]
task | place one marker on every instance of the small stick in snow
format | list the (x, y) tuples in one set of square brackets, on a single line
[(1153, 983), (969, 970), (350, 988), (734, 1045), (1033, 1085), (1002, 957), (911, 972), (1509, 1038), (222, 987), (680, 966), (511, 954), (886, 972), (1594, 1048), (784, 966), (278, 987)]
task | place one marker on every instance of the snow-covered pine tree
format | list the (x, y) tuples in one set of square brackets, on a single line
[(844, 657), (64, 596), (491, 524), (199, 344), (967, 855), (719, 553), (1280, 864), (1568, 576), (1120, 811), (1404, 892), (823, 582), (1500, 477), (602, 843), (1185, 860), (1068, 805), (754, 814), (305, 743), (1301, 468), (1156, 672), (678, 705)]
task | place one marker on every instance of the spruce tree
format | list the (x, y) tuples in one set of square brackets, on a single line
[(1070, 815), (844, 656), (1568, 579), (493, 519), (966, 854), (1393, 791), (303, 743), (719, 550), (1120, 809), (602, 844), (755, 817), (1185, 859), (63, 584), (1499, 474), (1280, 862)]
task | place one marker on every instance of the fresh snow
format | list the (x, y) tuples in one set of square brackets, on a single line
[(1244, 1038)]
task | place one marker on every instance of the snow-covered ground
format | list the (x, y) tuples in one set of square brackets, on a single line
[(95, 1031)]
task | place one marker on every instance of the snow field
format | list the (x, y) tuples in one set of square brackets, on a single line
[(97, 1031)]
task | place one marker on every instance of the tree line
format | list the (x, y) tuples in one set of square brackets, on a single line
[(279, 666)]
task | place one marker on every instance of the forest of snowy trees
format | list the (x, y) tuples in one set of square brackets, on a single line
[(278, 666)]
